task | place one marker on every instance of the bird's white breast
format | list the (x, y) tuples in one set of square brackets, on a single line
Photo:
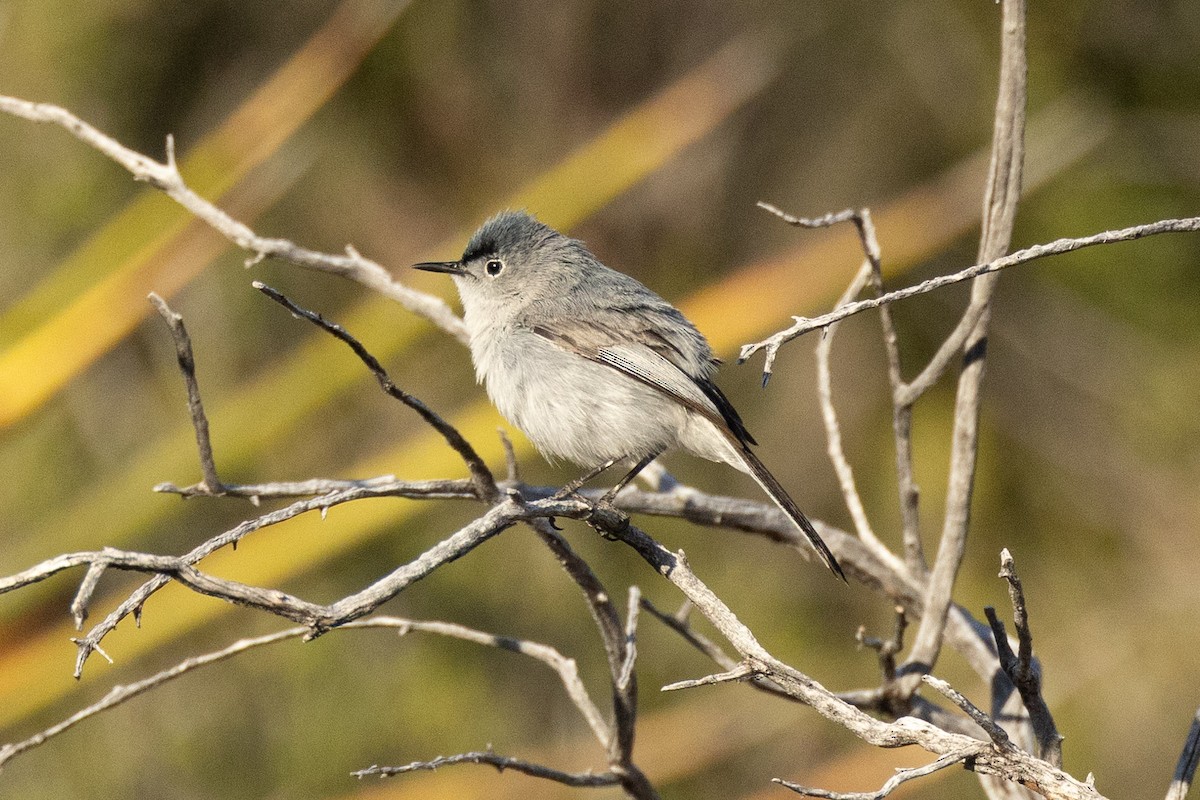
[(568, 406)]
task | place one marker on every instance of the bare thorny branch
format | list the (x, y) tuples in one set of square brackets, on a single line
[(563, 666), (973, 738), (165, 177)]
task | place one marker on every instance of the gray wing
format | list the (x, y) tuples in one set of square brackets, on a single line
[(650, 341), (677, 361)]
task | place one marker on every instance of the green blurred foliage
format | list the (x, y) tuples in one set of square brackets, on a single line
[(1090, 460)]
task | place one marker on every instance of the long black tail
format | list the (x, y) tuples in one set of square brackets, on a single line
[(776, 492)]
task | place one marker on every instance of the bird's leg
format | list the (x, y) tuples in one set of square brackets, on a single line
[(604, 506), (606, 502), (573, 486), (612, 493)]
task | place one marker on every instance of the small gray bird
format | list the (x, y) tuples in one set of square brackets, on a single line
[(590, 364)]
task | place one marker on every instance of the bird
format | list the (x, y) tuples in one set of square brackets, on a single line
[(591, 365)]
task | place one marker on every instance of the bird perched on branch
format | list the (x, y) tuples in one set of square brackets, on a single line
[(590, 364)]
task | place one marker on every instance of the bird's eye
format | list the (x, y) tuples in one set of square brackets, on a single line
[(493, 267)]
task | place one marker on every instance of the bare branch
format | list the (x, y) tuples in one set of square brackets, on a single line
[(319, 618), (1008, 571), (678, 622), (87, 587), (565, 667), (736, 675), (823, 221), (999, 211), (887, 648), (383, 485), (1021, 668), (166, 177), (501, 763), (885, 700), (133, 604), (969, 637), (211, 484), (914, 554), (901, 776), (119, 694), (625, 676), (833, 432), (1011, 763), (997, 734), (485, 484), (510, 457)]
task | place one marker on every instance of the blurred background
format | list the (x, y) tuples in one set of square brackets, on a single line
[(649, 130)]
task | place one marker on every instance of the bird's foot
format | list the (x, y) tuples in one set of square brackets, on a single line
[(608, 520)]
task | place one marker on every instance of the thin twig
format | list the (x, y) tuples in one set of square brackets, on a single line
[(166, 177), (901, 776), (914, 555), (501, 763), (83, 596), (997, 734), (886, 648), (833, 431), (631, 620), (313, 487), (1021, 668), (211, 484), (678, 622), (510, 457), (805, 325), (565, 667), (736, 675)]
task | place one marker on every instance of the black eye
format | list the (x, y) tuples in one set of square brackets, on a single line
[(493, 267)]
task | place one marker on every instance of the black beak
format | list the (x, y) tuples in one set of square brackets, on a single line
[(448, 267)]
